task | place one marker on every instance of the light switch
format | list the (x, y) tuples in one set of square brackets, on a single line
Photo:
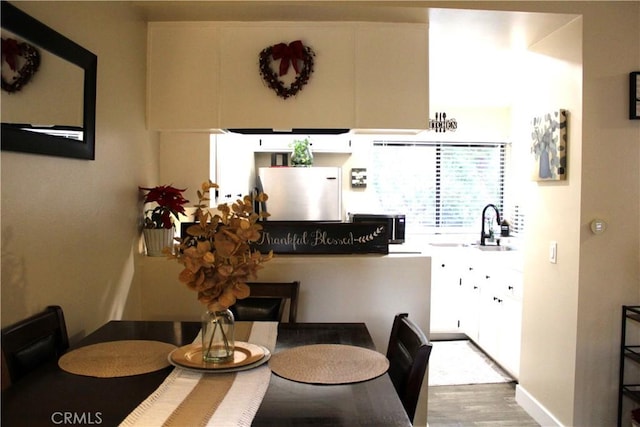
[(553, 252)]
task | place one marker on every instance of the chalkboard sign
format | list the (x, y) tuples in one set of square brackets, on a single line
[(310, 237)]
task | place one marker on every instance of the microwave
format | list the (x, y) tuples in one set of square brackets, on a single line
[(396, 224)]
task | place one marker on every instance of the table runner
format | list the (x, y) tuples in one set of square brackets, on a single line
[(329, 364), (202, 399)]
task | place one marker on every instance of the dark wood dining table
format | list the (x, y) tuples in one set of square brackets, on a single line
[(48, 395)]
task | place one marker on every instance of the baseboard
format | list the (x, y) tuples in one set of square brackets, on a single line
[(447, 336), (538, 412)]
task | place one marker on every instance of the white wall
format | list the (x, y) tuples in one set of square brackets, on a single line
[(553, 214), (185, 159), (571, 318), (609, 269), (69, 227)]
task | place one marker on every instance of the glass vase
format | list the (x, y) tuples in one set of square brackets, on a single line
[(217, 336)]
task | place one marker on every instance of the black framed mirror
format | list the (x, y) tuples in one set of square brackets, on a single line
[(57, 139)]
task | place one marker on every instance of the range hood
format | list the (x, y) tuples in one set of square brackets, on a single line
[(295, 131)]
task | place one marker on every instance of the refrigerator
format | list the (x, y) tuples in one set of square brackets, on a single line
[(302, 193)]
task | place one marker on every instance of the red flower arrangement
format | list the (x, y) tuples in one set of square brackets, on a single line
[(170, 202)]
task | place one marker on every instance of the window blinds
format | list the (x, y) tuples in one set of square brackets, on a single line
[(440, 186)]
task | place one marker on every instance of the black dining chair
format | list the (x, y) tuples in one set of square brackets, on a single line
[(32, 342), (267, 302), (408, 354)]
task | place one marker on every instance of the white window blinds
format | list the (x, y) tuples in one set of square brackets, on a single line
[(441, 187)]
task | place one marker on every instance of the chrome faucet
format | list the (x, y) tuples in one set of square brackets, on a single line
[(483, 235)]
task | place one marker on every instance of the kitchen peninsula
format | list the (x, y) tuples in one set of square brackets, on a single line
[(368, 288), (346, 274)]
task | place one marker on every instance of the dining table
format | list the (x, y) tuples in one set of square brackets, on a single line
[(50, 396)]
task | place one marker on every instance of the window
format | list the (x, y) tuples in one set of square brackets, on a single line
[(441, 187)]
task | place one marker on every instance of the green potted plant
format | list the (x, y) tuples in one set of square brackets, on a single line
[(301, 155), (159, 224)]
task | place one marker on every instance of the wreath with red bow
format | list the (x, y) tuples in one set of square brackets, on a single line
[(14, 53), (295, 54)]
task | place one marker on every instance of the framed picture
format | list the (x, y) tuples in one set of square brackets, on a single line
[(549, 146), (634, 95)]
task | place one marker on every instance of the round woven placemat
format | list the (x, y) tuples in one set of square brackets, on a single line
[(328, 364), (117, 358)]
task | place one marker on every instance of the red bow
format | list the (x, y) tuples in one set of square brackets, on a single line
[(10, 51), (292, 53)]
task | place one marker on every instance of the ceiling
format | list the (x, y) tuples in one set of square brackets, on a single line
[(473, 53)]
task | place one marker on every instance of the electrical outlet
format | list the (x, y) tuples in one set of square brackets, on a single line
[(553, 252)]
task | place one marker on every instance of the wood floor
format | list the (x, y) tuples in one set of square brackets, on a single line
[(488, 405)]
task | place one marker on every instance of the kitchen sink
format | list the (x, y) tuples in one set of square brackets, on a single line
[(494, 248), (487, 248)]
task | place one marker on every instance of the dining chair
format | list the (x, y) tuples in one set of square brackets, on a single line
[(31, 342), (408, 354), (267, 302)]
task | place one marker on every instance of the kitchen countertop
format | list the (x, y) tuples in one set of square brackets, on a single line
[(510, 252)]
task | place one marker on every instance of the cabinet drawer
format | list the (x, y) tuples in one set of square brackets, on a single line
[(511, 284)]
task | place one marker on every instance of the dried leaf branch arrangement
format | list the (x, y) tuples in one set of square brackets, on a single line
[(216, 252)]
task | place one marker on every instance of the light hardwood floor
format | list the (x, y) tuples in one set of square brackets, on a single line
[(487, 405)]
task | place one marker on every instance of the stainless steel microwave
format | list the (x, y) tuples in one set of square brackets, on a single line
[(396, 224)]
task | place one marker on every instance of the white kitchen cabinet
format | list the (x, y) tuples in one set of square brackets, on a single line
[(235, 167), (446, 298), (318, 143), (499, 332), (470, 292), (511, 336), (182, 76), (333, 144), (392, 76), (490, 315), (273, 143), (510, 331), (205, 76), (326, 101), (488, 302)]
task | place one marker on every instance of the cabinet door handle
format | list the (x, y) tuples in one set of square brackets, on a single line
[(497, 299), (510, 287)]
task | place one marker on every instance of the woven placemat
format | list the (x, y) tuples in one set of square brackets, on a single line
[(328, 364), (117, 358)]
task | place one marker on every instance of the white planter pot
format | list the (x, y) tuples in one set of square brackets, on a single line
[(156, 239)]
